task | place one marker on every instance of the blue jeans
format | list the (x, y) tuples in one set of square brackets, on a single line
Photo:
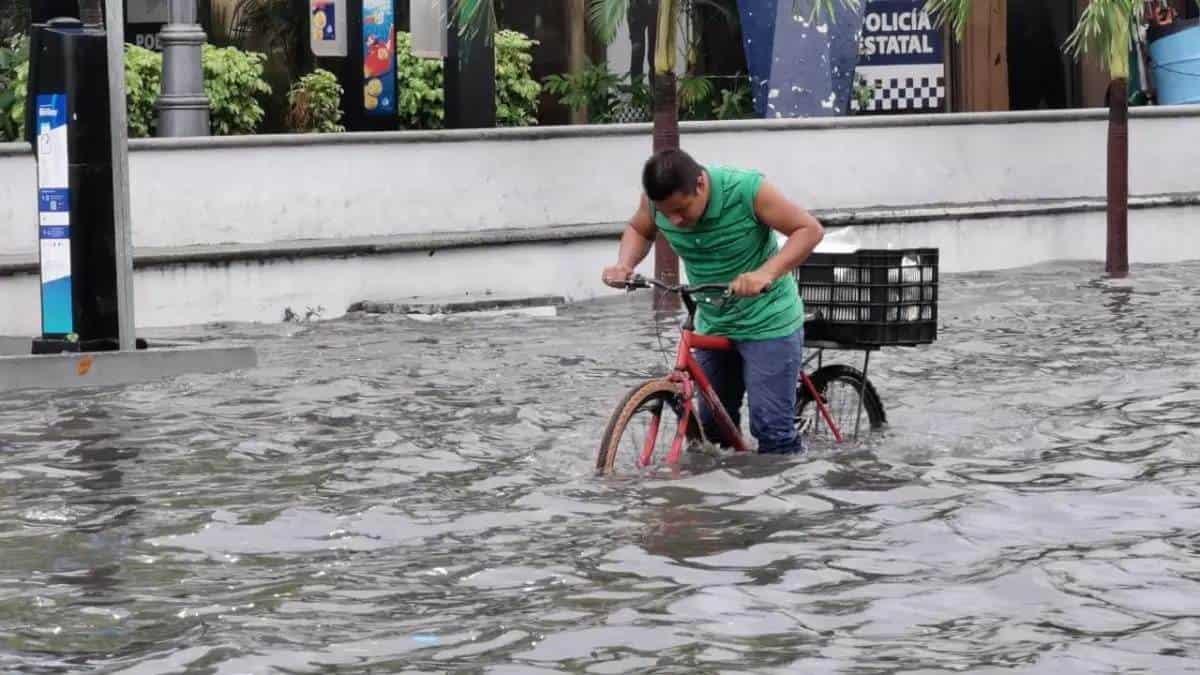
[(768, 371)]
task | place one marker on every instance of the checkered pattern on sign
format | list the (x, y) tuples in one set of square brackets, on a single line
[(906, 93)]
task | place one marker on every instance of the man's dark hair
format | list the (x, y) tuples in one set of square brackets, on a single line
[(668, 172)]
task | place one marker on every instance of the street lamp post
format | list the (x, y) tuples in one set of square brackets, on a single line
[(182, 107)]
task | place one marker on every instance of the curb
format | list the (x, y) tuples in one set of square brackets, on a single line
[(435, 307)]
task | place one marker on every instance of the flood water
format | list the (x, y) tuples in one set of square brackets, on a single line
[(389, 495)]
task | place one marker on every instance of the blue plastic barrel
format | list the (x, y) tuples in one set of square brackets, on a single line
[(1175, 58)]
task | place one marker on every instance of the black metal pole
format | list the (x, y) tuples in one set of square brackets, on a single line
[(470, 84)]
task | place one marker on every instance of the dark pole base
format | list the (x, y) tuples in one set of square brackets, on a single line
[(44, 345)]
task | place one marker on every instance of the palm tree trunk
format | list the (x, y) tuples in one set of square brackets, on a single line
[(666, 112), (1117, 254), (666, 137), (577, 49)]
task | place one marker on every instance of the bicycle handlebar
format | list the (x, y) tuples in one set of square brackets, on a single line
[(639, 281)]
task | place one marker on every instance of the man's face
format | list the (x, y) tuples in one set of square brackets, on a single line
[(685, 210)]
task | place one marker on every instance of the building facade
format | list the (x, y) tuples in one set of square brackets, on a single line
[(1010, 57)]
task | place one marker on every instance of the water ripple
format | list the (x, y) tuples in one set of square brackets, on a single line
[(386, 495)]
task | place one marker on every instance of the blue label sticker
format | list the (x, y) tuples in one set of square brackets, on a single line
[(54, 200), (56, 308), (54, 215), (52, 110)]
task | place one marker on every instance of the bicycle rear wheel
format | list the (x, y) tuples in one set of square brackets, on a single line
[(643, 427), (840, 386)]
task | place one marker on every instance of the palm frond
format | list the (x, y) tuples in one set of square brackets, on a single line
[(474, 17), (217, 19), (272, 23), (956, 12), (606, 17), (693, 90), (1106, 28), (818, 8)]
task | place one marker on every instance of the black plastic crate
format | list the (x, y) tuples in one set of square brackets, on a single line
[(871, 296)]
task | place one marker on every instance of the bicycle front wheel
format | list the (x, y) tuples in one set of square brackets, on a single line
[(643, 427), (842, 388)]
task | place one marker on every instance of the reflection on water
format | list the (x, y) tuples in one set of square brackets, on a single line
[(385, 495)]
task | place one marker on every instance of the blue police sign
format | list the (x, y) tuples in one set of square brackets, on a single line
[(902, 57)]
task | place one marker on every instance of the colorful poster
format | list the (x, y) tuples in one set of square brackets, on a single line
[(379, 57), (324, 21), (54, 214), (327, 27)]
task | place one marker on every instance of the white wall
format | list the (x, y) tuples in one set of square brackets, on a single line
[(179, 295), (18, 201), (252, 291), (263, 189), (1159, 235)]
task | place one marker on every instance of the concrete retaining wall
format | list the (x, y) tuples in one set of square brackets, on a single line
[(239, 228), (249, 289), (264, 189)]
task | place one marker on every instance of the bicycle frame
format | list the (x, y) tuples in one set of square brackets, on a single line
[(690, 377), (686, 387)]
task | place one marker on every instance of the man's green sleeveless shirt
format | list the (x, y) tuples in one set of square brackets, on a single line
[(728, 241)]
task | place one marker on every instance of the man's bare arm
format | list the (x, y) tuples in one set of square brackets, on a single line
[(636, 241), (803, 232)]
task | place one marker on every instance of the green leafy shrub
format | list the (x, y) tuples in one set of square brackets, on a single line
[(232, 80), (420, 92), (234, 84), (143, 84), (594, 87), (143, 72), (14, 68), (695, 98), (314, 104), (736, 103), (236, 89), (517, 92), (862, 92), (420, 84), (610, 97)]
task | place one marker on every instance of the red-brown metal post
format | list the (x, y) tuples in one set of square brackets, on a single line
[(1116, 262), (666, 137)]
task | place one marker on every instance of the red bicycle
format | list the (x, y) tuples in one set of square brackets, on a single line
[(660, 416)]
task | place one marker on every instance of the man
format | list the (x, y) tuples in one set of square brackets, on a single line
[(643, 30), (721, 222)]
